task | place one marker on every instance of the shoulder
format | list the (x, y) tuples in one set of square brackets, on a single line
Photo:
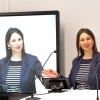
[(30, 57), (96, 56), (2, 60), (77, 59)]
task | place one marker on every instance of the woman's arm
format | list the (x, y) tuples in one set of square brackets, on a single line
[(51, 73)]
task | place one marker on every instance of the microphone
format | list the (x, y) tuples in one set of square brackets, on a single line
[(93, 66), (42, 66), (49, 57)]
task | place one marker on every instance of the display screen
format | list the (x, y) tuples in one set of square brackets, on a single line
[(41, 36)]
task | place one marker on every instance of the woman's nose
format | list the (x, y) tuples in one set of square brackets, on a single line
[(17, 42), (85, 41)]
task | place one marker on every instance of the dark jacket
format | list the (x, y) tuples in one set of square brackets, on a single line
[(94, 67), (30, 67)]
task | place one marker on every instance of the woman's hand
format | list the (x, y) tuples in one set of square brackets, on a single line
[(49, 73)]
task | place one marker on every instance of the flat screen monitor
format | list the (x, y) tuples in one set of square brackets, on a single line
[(41, 35)]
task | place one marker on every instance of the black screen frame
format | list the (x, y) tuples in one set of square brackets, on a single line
[(55, 12)]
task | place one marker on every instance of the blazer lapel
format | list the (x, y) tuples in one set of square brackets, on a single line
[(24, 66), (4, 71), (93, 64), (77, 65)]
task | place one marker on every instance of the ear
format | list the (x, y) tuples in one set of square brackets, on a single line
[(79, 44), (8, 45)]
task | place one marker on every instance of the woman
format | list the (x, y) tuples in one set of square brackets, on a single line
[(82, 75), (18, 69)]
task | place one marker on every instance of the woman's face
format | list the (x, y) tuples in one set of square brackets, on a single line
[(16, 43), (86, 42)]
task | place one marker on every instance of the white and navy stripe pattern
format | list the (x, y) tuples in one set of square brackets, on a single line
[(13, 76), (82, 75)]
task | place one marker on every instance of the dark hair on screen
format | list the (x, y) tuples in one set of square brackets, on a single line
[(7, 38), (90, 33)]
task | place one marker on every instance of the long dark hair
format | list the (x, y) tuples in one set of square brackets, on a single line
[(90, 33), (7, 38)]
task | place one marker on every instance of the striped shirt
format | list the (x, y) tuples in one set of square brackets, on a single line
[(13, 76), (82, 75)]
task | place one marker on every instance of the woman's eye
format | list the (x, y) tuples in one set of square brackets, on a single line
[(88, 38), (82, 40), (13, 40), (19, 39)]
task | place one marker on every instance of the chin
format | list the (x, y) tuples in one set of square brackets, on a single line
[(18, 51), (87, 49)]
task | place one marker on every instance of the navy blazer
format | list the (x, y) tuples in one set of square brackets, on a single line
[(30, 67), (94, 66)]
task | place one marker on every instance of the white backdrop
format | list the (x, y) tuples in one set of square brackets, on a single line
[(39, 35)]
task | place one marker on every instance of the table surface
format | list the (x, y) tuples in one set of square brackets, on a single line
[(68, 95)]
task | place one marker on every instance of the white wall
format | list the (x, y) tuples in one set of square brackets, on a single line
[(74, 14), (2, 5)]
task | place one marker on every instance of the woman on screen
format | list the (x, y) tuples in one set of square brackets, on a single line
[(86, 65), (18, 69)]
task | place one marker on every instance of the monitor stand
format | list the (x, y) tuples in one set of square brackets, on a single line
[(34, 98), (56, 91)]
